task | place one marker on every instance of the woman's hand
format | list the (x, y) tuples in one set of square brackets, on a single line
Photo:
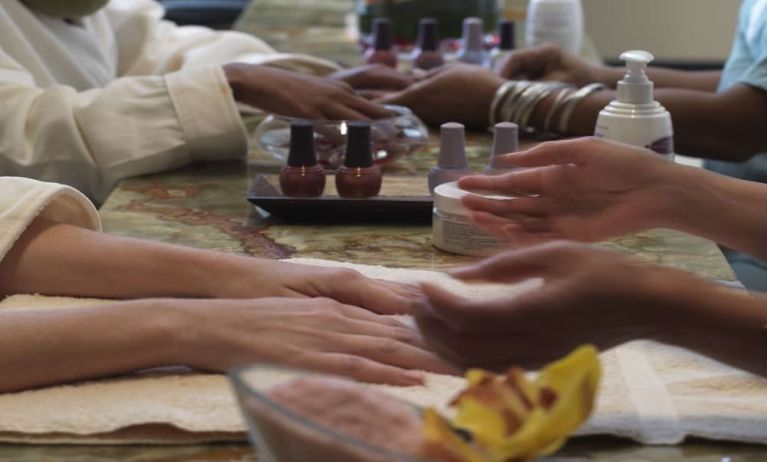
[(452, 93), (316, 334), (299, 95), (551, 63), (255, 278), (588, 296), (374, 77), (585, 190)]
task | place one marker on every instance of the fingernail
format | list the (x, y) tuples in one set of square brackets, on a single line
[(415, 377)]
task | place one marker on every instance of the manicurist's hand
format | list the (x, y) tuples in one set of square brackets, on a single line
[(585, 190), (452, 93), (298, 95), (551, 63), (588, 296), (317, 334)]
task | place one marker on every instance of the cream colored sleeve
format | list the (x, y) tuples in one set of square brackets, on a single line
[(22, 200), (90, 140), (149, 45)]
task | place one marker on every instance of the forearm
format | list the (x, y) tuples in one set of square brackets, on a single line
[(707, 81), (55, 259), (711, 125), (39, 348), (723, 209), (725, 324)]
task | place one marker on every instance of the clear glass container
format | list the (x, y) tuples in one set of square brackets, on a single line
[(393, 137)]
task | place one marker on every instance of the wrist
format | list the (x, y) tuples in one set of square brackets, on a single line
[(608, 75), (237, 76)]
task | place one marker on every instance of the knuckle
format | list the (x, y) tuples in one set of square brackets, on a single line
[(353, 364), (387, 346)]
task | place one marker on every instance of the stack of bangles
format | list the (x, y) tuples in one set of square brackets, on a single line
[(516, 101)]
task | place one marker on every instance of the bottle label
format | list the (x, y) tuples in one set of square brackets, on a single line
[(662, 146)]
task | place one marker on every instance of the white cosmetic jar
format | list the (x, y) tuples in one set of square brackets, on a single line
[(452, 228)]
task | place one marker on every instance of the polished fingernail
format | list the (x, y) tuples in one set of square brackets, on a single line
[(416, 378)]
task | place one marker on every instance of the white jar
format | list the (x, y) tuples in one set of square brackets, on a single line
[(559, 22), (452, 228)]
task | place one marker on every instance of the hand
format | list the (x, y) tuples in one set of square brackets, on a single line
[(452, 93), (299, 95), (254, 278), (588, 296), (551, 63), (374, 77), (316, 334), (585, 190)]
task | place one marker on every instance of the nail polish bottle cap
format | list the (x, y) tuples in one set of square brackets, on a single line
[(506, 33), (427, 34), (472, 34), (452, 152), (382, 34), (359, 151), (506, 139), (301, 153)]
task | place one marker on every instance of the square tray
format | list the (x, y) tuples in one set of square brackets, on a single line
[(402, 200)]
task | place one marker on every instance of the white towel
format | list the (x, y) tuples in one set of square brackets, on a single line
[(650, 393)]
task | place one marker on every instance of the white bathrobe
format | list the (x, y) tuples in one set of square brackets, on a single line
[(22, 200), (118, 94)]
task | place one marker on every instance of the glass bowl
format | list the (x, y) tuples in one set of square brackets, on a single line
[(283, 435), (393, 137)]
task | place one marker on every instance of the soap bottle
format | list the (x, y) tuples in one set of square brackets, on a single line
[(505, 141), (452, 163), (473, 44), (358, 177), (427, 54), (302, 176), (555, 21), (506, 44), (635, 117), (382, 51)]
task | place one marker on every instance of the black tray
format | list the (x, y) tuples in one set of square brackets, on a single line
[(265, 194)]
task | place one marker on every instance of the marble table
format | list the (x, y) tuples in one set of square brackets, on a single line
[(204, 206)]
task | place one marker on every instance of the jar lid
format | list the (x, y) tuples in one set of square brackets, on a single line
[(447, 198)]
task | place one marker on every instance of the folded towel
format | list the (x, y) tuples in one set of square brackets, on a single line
[(650, 393)]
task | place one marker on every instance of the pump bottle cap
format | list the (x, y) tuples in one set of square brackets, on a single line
[(301, 153), (382, 34), (359, 153), (452, 152), (636, 87)]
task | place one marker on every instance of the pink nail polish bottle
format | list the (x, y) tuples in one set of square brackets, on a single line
[(382, 51), (302, 176), (359, 177), (452, 164), (427, 54), (505, 141)]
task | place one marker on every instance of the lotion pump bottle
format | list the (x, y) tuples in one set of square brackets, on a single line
[(635, 117)]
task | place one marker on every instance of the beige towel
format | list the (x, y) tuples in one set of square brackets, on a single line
[(650, 393)]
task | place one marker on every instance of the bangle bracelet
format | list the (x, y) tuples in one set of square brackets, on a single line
[(524, 100), (572, 101), (548, 89), (500, 96), (555, 106), (510, 103)]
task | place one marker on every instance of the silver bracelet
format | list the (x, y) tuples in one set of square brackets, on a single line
[(500, 96), (525, 99), (508, 107), (555, 106), (524, 116), (572, 101)]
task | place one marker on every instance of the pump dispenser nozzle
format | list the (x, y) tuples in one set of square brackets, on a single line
[(636, 88)]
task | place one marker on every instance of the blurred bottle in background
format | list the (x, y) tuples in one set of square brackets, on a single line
[(559, 22)]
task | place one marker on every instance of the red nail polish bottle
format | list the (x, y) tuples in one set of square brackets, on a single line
[(382, 51), (359, 177), (427, 54), (303, 176)]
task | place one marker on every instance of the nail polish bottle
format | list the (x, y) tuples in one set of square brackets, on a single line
[(451, 164), (302, 176), (427, 54), (358, 177), (382, 51), (505, 141), (472, 44), (506, 44)]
